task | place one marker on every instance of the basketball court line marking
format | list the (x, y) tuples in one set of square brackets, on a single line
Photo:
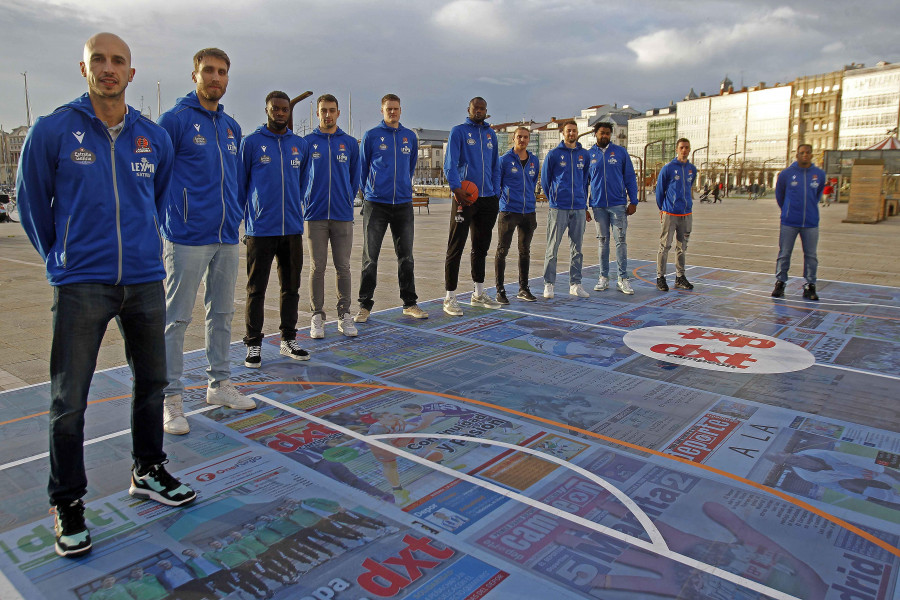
[(831, 302), (771, 491), (658, 547), (770, 275)]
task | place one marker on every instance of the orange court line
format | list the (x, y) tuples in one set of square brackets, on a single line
[(778, 493)]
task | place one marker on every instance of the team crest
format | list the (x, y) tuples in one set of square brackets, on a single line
[(142, 145)]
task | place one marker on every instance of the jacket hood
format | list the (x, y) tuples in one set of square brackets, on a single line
[(264, 130), (384, 125), (795, 165), (578, 146), (194, 102), (339, 131), (83, 105), (474, 124)]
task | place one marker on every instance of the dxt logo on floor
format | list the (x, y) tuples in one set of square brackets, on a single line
[(719, 349)]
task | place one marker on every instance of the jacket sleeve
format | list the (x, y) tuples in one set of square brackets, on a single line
[(354, 168), (545, 175), (35, 187), (365, 158), (780, 184), (452, 156), (630, 179), (662, 182), (495, 166), (414, 155), (169, 122), (246, 159), (586, 177), (163, 178)]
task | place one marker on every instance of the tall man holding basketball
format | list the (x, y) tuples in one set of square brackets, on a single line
[(471, 155)]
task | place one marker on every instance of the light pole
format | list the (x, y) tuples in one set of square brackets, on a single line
[(726, 170), (768, 160), (641, 169), (643, 164), (693, 154)]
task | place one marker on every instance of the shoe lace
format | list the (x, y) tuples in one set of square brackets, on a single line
[(159, 473), (454, 303), (71, 516), (292, 345), (253, 351)]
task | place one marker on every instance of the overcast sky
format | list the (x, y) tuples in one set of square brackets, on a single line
[(528, 58)]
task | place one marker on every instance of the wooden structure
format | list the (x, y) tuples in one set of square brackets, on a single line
[(866, 194)]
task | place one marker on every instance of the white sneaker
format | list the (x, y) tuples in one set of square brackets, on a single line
[(362, 316), (578, 290), (227, 395), (415, 312), (548, 290), (346, 326), (452, 307), (484, 300), (625, 287), (174, 421), (602, 284), (316, 328)]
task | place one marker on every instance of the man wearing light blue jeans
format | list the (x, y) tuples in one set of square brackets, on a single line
[(611, 176), (200, 227)]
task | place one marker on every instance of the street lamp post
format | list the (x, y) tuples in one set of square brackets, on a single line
[(726, 170), (641, 169), (643, 164)]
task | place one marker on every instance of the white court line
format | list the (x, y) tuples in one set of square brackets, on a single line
[(528, 314), (96, 440), (24, 262), (890, 287), (659, 548), (805, 303)]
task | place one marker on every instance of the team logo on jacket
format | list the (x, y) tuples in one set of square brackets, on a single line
[(471, 140), (83, 156), (514, 170), (580, 163), (199, 140), (79, 135), (562, 162), (232, 147), (295, 163), (794, 181), (593, 161), (295, 151), (815, 182), (264, 159), (405, 149), (143, 168), (230, 133), (342, 147), (142, 145), (342, 157), (612, 158), (382, 146)]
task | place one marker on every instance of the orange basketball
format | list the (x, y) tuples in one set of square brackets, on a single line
[(471, 189)]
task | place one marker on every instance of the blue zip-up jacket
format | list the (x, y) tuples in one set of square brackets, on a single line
[(611, 175), (472, 155), (204, 205), (798, 191), (517, 184), (90, 205), (332, 178), (673, 188), (564, 177), (272, 167), (388, 162)]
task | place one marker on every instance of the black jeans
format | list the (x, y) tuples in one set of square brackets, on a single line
[(509, 222), (377, 216), (81, 312), (288, 249), (480, 218)]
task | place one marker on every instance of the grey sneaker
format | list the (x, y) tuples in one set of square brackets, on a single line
[(317, 327), (415, 312), (548, 290), (578, 290), (484, 300), (625, 287), (174, 421), (362, 316), (452, 307), (227, 395), (602, 284), (346, 326)]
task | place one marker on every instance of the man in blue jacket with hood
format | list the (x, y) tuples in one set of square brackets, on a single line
[(564, 178), (273, 163), (92, 178), (331, 184), (200, 225), (798, 191), (389, 153), (674, 198)]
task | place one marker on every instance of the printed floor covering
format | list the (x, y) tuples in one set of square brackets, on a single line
[(707, 444)]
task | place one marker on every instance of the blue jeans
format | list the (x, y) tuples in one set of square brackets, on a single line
[(615, 217), (216, 266), (809, 238), (377, 216), (560, 221), (81, 312)]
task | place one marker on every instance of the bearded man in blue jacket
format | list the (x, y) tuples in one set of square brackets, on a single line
[(92, 178), (798, 191), (200, 228)]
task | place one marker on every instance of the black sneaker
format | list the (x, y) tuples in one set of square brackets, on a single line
[(809, 292), (526, 295), (293, 350), (254, 357), (661, 284), (681, 283), (778, 292), (157, 484), (72, 536), (501, 297)]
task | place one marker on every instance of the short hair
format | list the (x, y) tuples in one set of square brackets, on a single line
[(603, 125), (277, 94), (213, 52), (802, 145), (522, 128), (472, 101), (569, 122), (327, 98), (389, 98), (685, 140)]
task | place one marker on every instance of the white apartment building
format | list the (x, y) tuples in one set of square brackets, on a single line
[(870, 106)]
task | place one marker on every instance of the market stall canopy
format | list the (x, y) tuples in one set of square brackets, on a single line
[(889, 143)]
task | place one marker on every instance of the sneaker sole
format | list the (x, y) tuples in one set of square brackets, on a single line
[(626, 293), (317, 336), (231, 406), (173, 431), (494, 306), (453, 313), (526, 299), (597, 288), (425, 316), (252, 365), (358, 320), (145, 494), (294, 356), (354, 334), (72, 553)]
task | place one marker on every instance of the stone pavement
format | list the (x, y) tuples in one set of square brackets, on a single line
[(736, 234)]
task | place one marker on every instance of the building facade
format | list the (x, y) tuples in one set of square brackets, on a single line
[(816, 113), (870, 106), (658, 126)]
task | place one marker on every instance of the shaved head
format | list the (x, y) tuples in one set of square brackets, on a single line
[(103, 38)]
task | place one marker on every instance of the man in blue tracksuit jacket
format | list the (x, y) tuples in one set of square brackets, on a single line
[(328, 192), (389, 152), (273, 161), (798, 191), (674, 198), (611, 176), (518, 180), (201, 223), (472, 155), (564, 178), (92, 179)]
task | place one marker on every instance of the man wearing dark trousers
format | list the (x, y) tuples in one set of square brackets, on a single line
[(274, 162), (518, 178), (388, 155), (471, 156)]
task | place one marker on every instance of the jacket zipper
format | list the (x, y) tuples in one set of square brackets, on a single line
[(481, 141), (605, 191), (112, 156), (524, 181), (281, 156), (394, 201), (572, 171), (66, 243), (222, 178), (329, 176), (184, 191), (805, 185)]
